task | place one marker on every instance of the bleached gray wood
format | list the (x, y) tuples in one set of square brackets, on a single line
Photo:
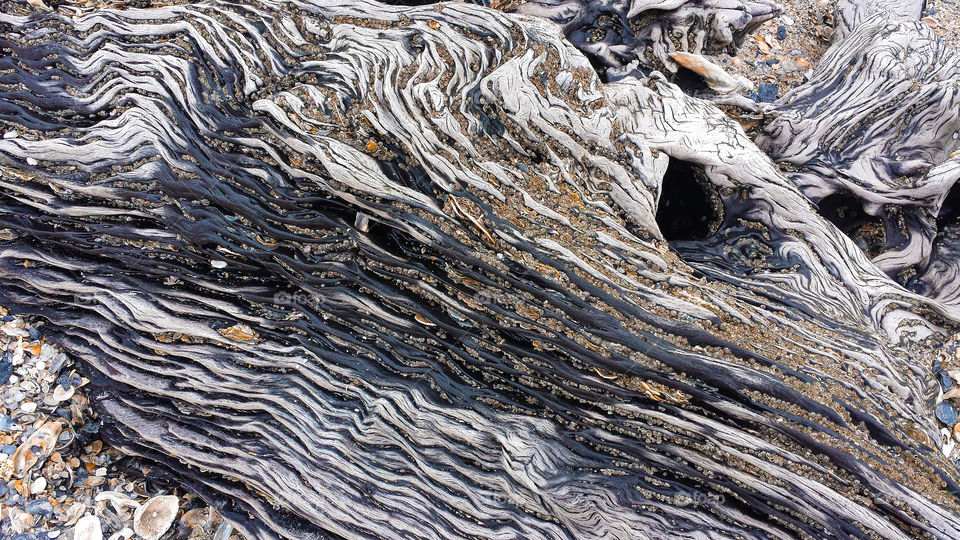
[(879, 121), (632, 37), (506, 346)]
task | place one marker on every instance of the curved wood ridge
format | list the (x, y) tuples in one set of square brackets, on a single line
[(364, 271)]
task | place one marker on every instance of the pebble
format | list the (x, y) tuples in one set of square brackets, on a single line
[(6, 370), (767, 92), (781, 33), (39, 507), (786, 20), (223, 531), (218, 264), (10, 135), (38, 485), (32, 162), (49, 482), (945, 381), (88, 528)]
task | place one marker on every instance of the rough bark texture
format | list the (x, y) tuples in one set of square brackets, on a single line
[(631, 37), (875, 132), (383, 272)]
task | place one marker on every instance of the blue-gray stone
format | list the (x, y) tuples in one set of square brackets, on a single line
[(781, 33), (25, 536), (947, 413), (945, 381), (39, 507), (9, 449), (767, 92), (5, 422), (6, 369)]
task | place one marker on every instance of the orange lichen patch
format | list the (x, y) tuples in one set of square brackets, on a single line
[(371, 146), (240, 332)]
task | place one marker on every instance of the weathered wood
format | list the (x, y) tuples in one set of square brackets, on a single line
[(450, 239), (632, 37), (877, 125)]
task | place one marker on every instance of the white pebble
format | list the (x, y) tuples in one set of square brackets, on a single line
[(33, 162), (218, 264), (88, 528), (53, 534), (38, 485), (787, 21), (102, 471), (29, 407), (10, 135)]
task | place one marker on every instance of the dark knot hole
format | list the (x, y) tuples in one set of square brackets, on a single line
[(690, 207)]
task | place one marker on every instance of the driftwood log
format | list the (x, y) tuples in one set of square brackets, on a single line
[(351, 270)]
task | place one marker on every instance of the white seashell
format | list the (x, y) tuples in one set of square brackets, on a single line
[(218, 264), (716, 78), (122, 534), (155, 516), (11, 135), (62, 394), (118, 500), (38, 485), (223, 531), (43, 439), (88, 528), (362, 222), (33, 162), (948, 443)]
